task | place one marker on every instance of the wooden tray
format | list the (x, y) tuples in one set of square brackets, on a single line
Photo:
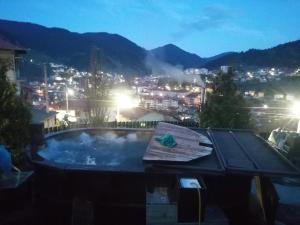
[(189, 145)]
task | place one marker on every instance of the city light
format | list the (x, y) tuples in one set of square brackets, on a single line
[(40, 92), (126, 102), (68, 92), (295, 109), (71, 92)]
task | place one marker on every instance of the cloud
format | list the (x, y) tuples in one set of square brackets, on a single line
[(244, 31), (212, 17), (118, 7), (174, 10)]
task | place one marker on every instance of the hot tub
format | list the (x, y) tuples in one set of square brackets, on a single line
[(102, 168), (100, 173), (102, 150)]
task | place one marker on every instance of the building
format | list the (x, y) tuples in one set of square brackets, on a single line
[(41, 116), (193, 100), (278, 96), (290, 97), (143, 115), (9, 56), (159, 103), (196, 71), (163, 93), (77, 110), (226, 69), (260, 94)]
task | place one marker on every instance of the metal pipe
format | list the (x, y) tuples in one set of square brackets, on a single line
[(67, 100), (46, 87)]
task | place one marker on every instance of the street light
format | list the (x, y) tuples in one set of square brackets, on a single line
[(295, 110), (124, 102), (68, 92)]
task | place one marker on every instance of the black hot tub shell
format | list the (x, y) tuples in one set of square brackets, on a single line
[(117, 195)]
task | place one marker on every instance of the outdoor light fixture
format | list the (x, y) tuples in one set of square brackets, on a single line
[(68, 92), (265, 106), (125, 102), (295, 110)]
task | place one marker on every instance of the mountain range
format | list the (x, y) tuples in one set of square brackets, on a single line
[(118, 54)]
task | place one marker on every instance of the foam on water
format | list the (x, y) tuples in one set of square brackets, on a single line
[(104, 149)]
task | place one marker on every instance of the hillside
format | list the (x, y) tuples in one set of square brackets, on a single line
[(284, 55), (118, 54), (115, 53), (176, 56)]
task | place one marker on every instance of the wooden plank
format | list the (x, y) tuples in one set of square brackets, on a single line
[(187, 147)]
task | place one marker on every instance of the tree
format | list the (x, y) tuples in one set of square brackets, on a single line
[(225, 107), (14, 117), (97, 94)]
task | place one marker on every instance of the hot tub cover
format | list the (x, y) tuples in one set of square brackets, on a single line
[(189, 144)]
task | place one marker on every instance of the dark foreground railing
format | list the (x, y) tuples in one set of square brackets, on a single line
[(130, 124)]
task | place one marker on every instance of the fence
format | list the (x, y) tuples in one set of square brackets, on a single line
[(130, 124)]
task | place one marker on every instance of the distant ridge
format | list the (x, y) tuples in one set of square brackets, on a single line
[(120, 55), (284, 55), (116, 53), (176, 56)]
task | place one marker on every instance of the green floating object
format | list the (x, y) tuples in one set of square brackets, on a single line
[(166, 140)]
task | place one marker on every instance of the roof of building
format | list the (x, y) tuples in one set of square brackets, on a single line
[(78, 104), (133, 114), (39, 115), (73, 104), (138, 112), (150, 97), (168, 91), (193, 95), (6, 45)]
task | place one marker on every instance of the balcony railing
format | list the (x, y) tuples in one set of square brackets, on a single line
[(129, 124)]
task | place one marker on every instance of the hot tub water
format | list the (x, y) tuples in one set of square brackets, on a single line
[(107, 148)]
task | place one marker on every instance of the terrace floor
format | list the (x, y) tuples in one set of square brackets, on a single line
[(163, 215), (160, 211)]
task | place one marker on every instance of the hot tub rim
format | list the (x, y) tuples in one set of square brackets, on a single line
[(37, 160)]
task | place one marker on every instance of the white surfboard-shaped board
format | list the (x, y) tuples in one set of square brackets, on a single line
[(188, 145)]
